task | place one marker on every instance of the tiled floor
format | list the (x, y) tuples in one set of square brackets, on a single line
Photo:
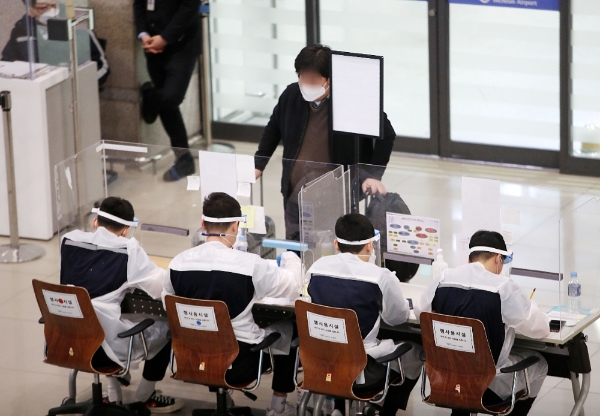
[(30, 387)]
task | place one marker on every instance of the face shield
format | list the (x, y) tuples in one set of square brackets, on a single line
[(507, 262), (131, 224), (374, 239), (222, 235)]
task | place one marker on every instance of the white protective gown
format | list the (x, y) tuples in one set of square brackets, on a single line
[(394, 308), (519, 313), (142, 274), (268, 280)]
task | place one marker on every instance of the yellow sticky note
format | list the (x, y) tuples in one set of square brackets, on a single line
[(248, 212)]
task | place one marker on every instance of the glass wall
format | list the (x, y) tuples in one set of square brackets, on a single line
[(253, 46), (585, 67), (398, 31), (504, 76)]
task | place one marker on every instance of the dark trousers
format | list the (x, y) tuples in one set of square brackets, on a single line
[(397, 396), (171, 71), (154, 369), (245, 368), (522, 407), (292, 220)]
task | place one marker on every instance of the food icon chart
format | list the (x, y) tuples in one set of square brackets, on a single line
[(409, 234)]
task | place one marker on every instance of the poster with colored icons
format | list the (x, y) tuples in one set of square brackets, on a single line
[(409, 234)]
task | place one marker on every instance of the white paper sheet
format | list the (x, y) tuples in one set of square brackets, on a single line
[(63, 304), (326, 328), (480, 205), (245, 168), (356, 94), (193, 183), (244, 189), (462, 249), (201, 318), (454, 337), (217, 173), (259, 221), (409, 234)]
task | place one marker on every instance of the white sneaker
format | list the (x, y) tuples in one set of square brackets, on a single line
[(288, 410), (336, 412)]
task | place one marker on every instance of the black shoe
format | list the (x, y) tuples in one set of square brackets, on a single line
[(148, 114), (158, 403), (184, 166)]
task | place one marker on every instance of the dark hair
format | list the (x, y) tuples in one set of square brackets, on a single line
[(484, 238), (353, 227), (118, 207), (313, 58), (220, 205)]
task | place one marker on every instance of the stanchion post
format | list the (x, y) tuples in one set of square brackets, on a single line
[(14, 252)]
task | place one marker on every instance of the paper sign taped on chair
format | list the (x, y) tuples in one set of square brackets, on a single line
[(326, 328), (454, 337), (201, 318), (62, 304)]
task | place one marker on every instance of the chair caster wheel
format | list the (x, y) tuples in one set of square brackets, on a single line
[(67, 401), (370, 411)]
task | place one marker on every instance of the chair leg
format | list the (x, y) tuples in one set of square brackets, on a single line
[(73, 384), (222, 409), (97, 391), (71, 409), (319, 405), (347, 407), (304, 403)]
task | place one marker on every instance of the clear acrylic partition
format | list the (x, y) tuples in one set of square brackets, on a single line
[(169, 215), (321, 203), (57, 52), (25, 41), (16, 42), (549, 225), (580, 253)]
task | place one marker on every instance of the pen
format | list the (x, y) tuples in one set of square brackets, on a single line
[(532, 292)]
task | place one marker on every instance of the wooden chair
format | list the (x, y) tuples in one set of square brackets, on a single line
[(73, 335), (459, 377), (332, 361), (204, 348)]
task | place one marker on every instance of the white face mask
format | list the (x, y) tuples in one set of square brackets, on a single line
[(222, 236), (312, 92), (49, 14)]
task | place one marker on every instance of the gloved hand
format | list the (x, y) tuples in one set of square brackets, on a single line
[(288, 260)]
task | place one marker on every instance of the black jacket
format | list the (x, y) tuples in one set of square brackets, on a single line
[(287, 124), (177, 21)]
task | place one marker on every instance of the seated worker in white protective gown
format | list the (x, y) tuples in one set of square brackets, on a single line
[(352, 280), (110, 265), (483, 290), (214, 271)]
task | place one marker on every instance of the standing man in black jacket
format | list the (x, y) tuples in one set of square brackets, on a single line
[(170, 34), (300, 120)]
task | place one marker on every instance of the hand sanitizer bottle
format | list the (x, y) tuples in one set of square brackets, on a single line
[(439, 265)]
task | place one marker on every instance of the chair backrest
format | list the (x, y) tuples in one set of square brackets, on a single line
[(203, 340), (72, 330), (458, 361), (331, 349)]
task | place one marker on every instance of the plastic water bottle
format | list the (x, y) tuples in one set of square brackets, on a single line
[(574, 293)]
